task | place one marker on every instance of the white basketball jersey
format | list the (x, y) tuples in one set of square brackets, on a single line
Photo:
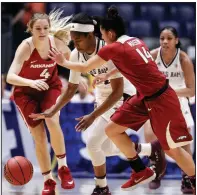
[(103, 90), (173, 71)]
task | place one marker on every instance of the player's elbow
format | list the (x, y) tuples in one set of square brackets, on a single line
[(9, 79), (192, 93)]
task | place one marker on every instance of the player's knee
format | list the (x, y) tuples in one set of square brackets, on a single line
[(93, 144), (173, 152)]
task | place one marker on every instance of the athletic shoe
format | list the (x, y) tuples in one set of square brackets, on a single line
[(65, 176), (101, 191), (157, 159), (141, 177), (49, 187), (186, 186), (154, 184)]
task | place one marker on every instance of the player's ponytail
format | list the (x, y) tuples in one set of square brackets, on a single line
[(113, 21), (59, 25)]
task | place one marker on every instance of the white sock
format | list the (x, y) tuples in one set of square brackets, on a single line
[(62, 162), (48, 176), (101, 182), (146, 149)]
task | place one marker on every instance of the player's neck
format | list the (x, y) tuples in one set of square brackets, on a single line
[(41, 45), (169, 55)]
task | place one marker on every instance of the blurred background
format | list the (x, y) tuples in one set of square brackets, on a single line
[(143, 20)]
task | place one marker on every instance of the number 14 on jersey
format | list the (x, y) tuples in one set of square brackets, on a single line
[(145, 54)]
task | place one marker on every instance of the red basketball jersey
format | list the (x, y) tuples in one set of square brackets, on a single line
[(37, 68), (131, 56)]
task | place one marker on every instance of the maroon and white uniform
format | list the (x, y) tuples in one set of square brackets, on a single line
[(30, 100), (155, 99)]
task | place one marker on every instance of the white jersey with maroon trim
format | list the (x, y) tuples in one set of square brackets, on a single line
[(104, 89), (173, 71)]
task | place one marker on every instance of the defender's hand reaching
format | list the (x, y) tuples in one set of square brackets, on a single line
[(57, 56)]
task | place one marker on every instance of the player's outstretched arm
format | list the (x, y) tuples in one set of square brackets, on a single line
[(92, 63), (103, 77), (117, 91)]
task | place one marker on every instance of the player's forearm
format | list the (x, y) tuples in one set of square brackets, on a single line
[(65, 97), (16, 80), (112, 72), (107, 104), (76, 66), (186, 92)]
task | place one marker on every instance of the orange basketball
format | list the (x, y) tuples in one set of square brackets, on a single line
[(18, 170)]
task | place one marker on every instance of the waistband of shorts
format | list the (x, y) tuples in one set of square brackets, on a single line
[(126, 96), (158, 93)]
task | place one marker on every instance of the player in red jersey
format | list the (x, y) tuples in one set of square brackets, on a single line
[(178, 68), (155, 99), (37, 87)]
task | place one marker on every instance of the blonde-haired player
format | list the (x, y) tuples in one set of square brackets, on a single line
[(37, 87)]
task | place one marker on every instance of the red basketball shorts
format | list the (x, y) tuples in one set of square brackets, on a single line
[(36, 103), (165, 116)]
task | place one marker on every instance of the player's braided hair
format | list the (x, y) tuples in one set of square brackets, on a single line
[(113, 21)]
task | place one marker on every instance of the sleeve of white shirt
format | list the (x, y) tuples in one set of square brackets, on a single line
[(111, 66), (74, 77)]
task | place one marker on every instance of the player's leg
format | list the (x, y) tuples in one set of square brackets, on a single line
[(26, 106), (57, 138), (157, 159), (40, 139), (141, 174), (186, 187), (96, 137), (183, 159), (58, 145), (171, 129), (132, 114)]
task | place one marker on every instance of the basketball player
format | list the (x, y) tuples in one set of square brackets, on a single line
[(37, 87), (178, 68), (155, 99), (108, 98)]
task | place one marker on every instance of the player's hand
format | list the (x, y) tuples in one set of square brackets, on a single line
[(39, 84), (84, 122), (99, 79), (39, 116), (57, 56)]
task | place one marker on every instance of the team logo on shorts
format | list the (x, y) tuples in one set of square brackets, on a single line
[(182, 137)]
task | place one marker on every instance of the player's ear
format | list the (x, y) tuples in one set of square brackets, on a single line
[(112, 35)]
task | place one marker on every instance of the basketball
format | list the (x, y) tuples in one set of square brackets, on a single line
[(18, 170)]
